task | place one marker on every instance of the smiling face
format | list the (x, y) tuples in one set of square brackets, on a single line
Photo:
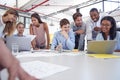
[(94, 16), (35, 21), (10, 15), (78, 21), (20, 28), (65, 27), (12, 18), (106, 26), (9, 18)]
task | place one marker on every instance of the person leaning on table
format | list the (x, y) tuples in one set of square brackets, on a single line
[(40, 29), (108, 31), (65, 37)]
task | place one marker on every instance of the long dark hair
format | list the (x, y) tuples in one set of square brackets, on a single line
[(112, 31), (36, 15)]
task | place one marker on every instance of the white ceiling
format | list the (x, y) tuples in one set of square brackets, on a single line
[(53, 9), (44, 7)]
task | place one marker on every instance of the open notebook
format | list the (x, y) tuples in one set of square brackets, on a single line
[(101, 47)]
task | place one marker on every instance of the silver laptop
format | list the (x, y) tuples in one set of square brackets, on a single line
[(24, 43), (101, 47)]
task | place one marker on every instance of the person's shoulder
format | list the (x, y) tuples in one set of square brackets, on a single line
[(72, 24), (57, 33), (71, 31), (44, 23), (83, 24), (103, 14), (118, 33), (89, 21)]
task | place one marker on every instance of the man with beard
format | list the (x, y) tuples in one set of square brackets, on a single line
[(79, 29)]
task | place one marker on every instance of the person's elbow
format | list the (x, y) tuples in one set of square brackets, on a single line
[(71, 47), (70, 43)]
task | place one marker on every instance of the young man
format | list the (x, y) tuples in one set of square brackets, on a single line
[(79, 29), (20, 29), (93, 24)]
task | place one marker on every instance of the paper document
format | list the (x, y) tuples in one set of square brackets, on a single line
[(103, 55), (42, 69)]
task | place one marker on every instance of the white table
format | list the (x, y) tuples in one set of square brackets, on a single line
[(82, 66)]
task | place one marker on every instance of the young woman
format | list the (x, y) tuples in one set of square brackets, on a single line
[(7, 60), (65, 37), (8, 22), (20, 29), (108, 31), (40, 29)]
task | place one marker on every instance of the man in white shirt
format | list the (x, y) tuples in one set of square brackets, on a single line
[(93, 24)]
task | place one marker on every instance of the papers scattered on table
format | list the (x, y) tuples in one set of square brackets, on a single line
[(42, 69), (44, 54), (104, 55)]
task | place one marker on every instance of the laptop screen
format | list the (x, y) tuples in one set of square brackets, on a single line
[(24, 43), (101, 47)]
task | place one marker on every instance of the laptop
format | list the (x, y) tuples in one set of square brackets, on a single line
[(24, 43), (101, 47)]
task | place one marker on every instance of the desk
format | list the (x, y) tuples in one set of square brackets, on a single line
[(83, 67)]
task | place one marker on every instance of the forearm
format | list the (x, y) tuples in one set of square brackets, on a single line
[(33, 43), (70, 44), (80, 32), (6, 57)]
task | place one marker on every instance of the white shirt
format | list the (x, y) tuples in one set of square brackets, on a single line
[(90, 24), (2, 26)]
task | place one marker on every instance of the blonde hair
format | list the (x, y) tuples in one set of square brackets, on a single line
[(10, 26)]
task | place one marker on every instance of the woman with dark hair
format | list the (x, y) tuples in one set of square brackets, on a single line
[(40, 29), (108, 31)]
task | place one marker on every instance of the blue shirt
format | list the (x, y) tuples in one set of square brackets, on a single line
[(117, 47), (67, 44), (19, 35)]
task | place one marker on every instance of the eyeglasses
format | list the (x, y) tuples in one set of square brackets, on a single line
[(106, 25)]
